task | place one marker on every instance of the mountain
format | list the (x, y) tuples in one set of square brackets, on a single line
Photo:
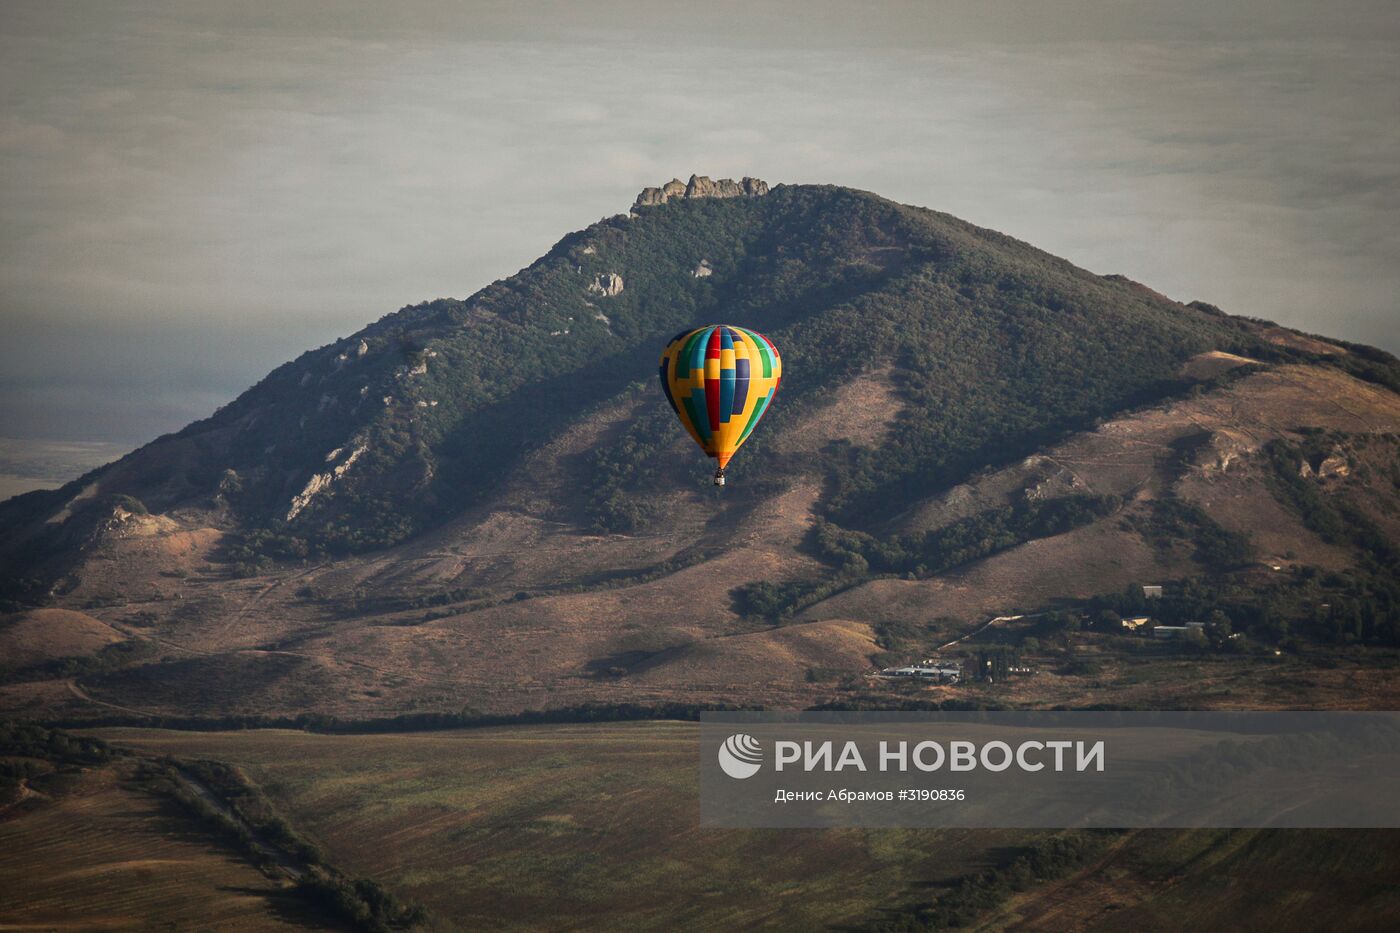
[(486, 503)]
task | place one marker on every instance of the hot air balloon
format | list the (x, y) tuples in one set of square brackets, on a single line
[(720, 380)]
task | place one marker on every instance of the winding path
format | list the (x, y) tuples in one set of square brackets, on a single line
[(984, 626)]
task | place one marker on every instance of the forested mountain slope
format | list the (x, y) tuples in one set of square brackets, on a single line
[(410, 517)]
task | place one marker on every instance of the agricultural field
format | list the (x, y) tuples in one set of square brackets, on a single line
[(1221, 879), (594, 825), (566, 827), (91, 851)]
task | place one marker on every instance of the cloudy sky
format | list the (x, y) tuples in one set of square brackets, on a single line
[(194, 192)]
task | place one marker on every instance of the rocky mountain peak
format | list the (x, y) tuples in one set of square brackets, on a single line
[(701, 186)]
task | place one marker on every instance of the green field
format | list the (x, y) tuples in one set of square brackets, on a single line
[(91, 850), (566, 827), (595, 826), (1264, 880)]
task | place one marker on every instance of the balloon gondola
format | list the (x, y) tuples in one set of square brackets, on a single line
[(720, 381)]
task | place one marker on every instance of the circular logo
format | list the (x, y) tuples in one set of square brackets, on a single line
[(740, 756)]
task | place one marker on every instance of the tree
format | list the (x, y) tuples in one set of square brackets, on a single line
[(1219, 628), (1108, 621)]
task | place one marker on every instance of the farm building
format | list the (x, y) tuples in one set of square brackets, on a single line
[(1136, 623), (1177, 631), (943, 672)]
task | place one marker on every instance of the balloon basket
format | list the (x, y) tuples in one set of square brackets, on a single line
[(719, 477)]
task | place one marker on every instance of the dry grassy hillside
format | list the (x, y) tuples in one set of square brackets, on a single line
[(515, 607), (1203, 449), (42, 635)]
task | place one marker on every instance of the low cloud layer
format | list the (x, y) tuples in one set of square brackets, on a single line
[(191, 199)]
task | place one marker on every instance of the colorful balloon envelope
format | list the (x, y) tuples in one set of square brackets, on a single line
[(720, 380)]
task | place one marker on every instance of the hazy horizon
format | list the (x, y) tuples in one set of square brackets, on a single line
[(195, 194)]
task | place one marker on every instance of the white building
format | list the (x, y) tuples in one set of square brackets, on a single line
[(941, 671), (1177, 631)]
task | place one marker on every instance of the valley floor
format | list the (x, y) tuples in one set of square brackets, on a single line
[(594, 827), (570, 827), (94, 851)]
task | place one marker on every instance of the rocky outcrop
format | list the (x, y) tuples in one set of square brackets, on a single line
[(1332, 466), (606, 285), (701, 186), (125, 523), (1221, 450), (1335, 465), (320, 481), (703, 270)]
